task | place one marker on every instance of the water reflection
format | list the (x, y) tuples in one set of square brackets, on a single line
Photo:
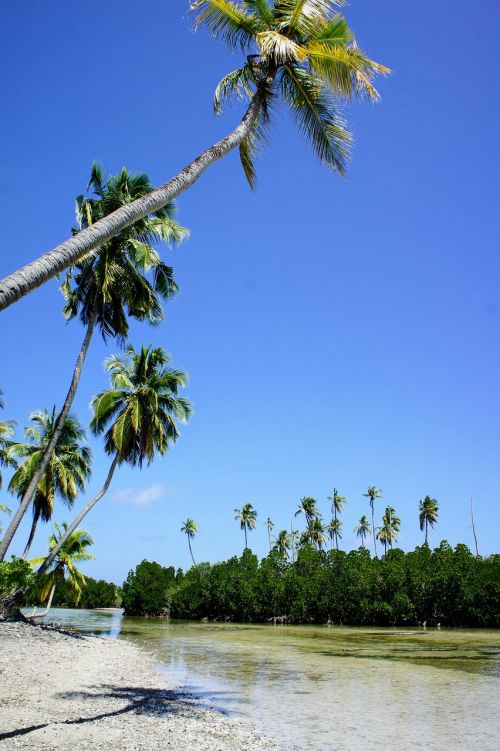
[(339, 689)]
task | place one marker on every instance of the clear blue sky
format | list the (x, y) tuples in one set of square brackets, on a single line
[(336, 332)]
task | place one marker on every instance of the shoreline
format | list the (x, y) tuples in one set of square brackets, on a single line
[(61, 690)]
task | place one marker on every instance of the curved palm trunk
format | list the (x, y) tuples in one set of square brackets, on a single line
[(28, 278), (191, 551), (32, 535), (373, 530), (26, 500), (74, 524)]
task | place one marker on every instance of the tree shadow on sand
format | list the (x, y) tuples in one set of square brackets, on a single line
[(153, 702)]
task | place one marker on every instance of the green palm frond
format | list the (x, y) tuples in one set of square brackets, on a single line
[(227, 21), (238, 83), (317, 117)]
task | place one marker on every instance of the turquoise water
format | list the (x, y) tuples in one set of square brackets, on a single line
[(341, 689)]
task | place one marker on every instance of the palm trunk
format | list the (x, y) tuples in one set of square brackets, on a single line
[(74, 524), (32, 535), (28, 278), (373, 531), (426, 526), (292, 540), (269, 535), (26, 500), (474, 527), (245, 531), (190, 550)]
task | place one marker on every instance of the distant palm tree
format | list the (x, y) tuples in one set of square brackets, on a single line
[(246, 516), (382, 535), (190, 528), (282, 542), (428, 514), (270, 526), (334, 529), (373, 493), (139, 414), (362, 529), (337, 502), (67, 471), (316, 533), (74, 549), (307, 506), (392, 525)]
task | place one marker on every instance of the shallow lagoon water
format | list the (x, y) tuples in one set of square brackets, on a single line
[(331, 688)]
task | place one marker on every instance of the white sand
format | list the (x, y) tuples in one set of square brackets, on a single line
[(65, 692)]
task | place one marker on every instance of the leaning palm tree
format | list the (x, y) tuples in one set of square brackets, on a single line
[(334, 529), (72, 550), (373, 493), (282, 542), (428, 514), (270, 526), (190, 528), (138, 414), (362, 529), (246, 516), (308, 507), (110, 284), (67, 472), (301, 52)]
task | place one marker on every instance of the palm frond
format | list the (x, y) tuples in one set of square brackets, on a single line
[(278, 48), (227, 20), (347, 70), (237, 83), (317, 117)]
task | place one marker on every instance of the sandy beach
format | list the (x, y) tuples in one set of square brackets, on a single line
[(63, 691)]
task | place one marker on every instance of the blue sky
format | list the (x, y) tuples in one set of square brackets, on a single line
[(337, 332)]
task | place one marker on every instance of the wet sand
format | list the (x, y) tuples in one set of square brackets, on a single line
[(61, 691)]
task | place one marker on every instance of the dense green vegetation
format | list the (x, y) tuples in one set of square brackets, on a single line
[(96, 593), (449, 586)]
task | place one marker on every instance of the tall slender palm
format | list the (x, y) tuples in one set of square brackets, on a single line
[(247, 517), (392, 524), (334, 529), (138, 413), (299, 51), (6, 433), (190, 528), (383, 536), (337, 502), (72, 550), (270, 526), (362, 529), (67, 472), (110, 284), (282, 542), (428, 514), (373, 493), (308, 507)]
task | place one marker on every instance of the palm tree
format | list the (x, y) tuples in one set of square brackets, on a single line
[(6, 433), (303, 53), (383, 536), (68, 469), (316, 533), (362, 529), (270, 526), (307, 506), (392, 525), (337, 502), (110, 284), (282, 542), (140, 413), (373, 493), (72, 550), (190, 528), (246, 516), (428, 514), (334, 530), (5, 510)]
